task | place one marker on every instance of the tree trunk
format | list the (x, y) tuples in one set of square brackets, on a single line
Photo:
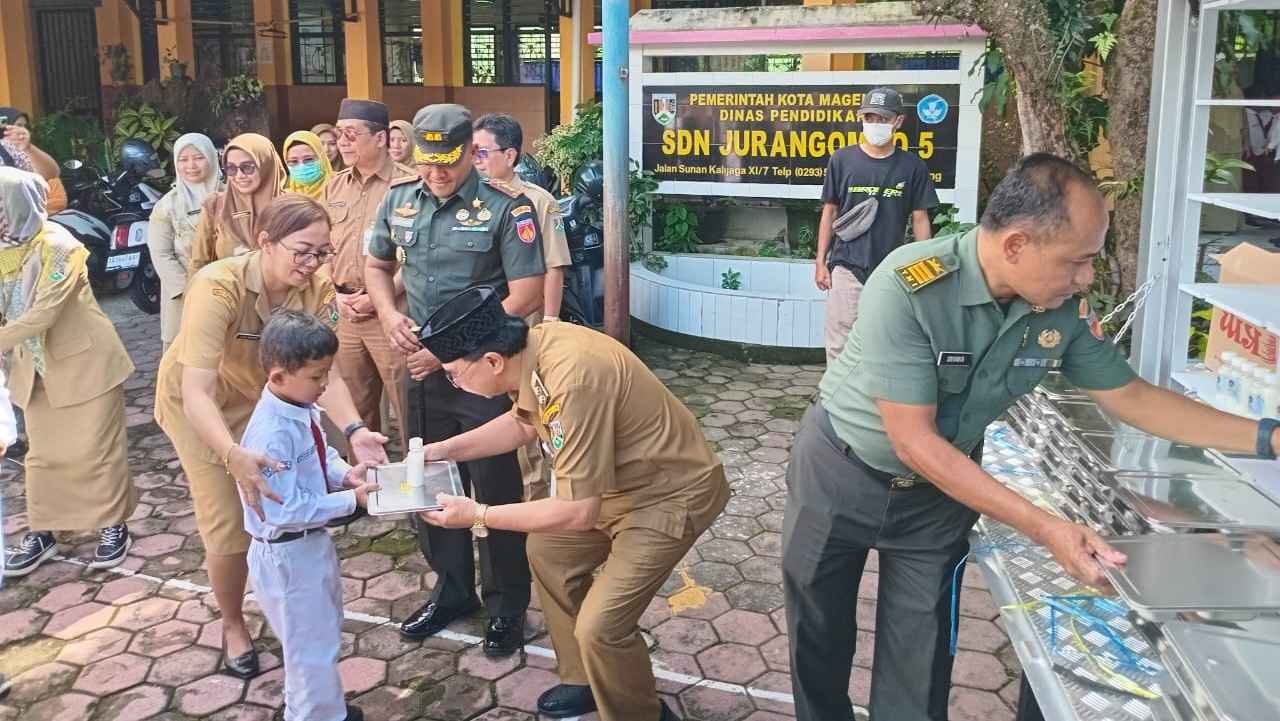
[(1021, 29), (1128, 102)]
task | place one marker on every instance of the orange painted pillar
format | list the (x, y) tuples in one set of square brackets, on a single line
[(118, 27), (364, 53), (577, 58), (17, 57)]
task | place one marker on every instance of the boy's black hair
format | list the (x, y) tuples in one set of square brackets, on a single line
[(292, 339)]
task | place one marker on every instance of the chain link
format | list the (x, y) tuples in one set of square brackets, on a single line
[(1137, 298)]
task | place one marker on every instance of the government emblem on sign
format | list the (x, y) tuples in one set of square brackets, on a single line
[(664, 108), (932, 109)]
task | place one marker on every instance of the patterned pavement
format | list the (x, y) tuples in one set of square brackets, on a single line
[(141, 641)]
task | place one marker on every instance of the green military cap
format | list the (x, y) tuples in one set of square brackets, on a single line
[(439, 133)]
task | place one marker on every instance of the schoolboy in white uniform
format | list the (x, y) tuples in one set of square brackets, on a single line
[(292, 563)]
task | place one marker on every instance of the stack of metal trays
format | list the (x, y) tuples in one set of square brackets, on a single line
[(1169, 574), (1173, 504), (1225, 674)]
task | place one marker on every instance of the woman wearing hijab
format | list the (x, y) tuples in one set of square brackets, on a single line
[(173, 223), (329, 138), (400, 142), (228, 224), (308, 166), (67, 371)]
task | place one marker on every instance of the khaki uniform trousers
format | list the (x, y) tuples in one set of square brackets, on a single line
[(841, 310), (594, 621), (369, 365)]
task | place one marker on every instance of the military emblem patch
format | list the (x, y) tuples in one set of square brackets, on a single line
[(557, 434), (527, 231), (1049, 338)]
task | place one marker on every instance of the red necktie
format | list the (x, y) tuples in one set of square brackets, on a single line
[(324, 466)]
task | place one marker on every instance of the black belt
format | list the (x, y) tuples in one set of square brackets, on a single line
[(346, 289), (288, 536), (891, 480)]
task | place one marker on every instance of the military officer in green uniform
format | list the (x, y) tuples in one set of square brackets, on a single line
[(451, 231), (950, 333)]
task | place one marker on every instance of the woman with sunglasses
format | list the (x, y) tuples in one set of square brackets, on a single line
[(307, 164), (210, 379), (255, 176)]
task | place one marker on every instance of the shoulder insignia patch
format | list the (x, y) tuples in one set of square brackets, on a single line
[(527, 231), (502, 187), (223, 296), (922, 272), (1091, 320)]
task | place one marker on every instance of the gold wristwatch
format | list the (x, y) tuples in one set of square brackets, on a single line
[(478, 529)]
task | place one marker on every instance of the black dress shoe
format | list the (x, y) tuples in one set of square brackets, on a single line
[(504, 636), (565, 700), (244, 666), (667, 713), (431, 619)]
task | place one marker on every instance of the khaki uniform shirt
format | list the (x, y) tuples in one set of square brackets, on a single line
[(63, 336), (613, 430), (352, 200), (226, 309), (479, 236), (930, 333)]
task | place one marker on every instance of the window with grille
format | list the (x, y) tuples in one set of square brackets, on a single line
[(223, 38), (509, 42), (319, 48), (401, 41)]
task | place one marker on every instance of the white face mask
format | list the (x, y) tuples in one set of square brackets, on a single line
[(877, 133)]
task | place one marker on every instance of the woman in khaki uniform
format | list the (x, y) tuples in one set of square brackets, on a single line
[(633, 486), (173, 223), (255, 176), (210, 379), (67, 372)]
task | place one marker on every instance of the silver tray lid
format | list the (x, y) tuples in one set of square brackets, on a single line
[(1232, 672), (1180, 502), (1178, 572), (1084, 416), (1136, 452), (1056, 386)]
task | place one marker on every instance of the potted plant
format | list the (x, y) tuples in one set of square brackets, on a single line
[(177, 68)]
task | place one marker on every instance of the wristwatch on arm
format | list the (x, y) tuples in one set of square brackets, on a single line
[(1266, 430)]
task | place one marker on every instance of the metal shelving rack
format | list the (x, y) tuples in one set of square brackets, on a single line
[(1174, 194)]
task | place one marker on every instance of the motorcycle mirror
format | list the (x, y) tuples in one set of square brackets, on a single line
[(73, 164)]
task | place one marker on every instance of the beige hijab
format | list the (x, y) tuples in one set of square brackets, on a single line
[(240, 212), (335, 163), (405, 127)]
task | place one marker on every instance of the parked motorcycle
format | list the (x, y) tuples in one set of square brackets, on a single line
[(109, 215), (584, 280)]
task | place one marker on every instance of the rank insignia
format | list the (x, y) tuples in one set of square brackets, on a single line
[(241, 214), (1037, 309), (406, 211), (550, 412), (539, 389), (527, 231), (1049, 338), (477, 203), (433, 136), (922, 272)]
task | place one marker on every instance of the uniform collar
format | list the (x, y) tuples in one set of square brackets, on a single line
[(284, 409), (973, 284), (467, 190), (383, 172), (526, 399)]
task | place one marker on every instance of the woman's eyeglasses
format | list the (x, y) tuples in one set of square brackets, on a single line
[(248, 168), (303, 257)]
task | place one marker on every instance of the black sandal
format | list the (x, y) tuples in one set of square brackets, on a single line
[(244, 666)]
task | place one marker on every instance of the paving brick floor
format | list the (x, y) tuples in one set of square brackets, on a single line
[(142, 641)]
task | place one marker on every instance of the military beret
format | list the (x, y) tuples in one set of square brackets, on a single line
[(439, 133), (462, 325), (370, 111)]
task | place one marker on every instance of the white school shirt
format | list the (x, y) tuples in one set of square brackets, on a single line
[(282, 430)]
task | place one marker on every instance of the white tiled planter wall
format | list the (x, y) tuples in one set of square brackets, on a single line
[(777, 305)]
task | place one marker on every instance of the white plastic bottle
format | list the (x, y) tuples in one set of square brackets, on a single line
[(1230, 371), (1224, 363), (1255, 391), (415, 463), (1271, 395)]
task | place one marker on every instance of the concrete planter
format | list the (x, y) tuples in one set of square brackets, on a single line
[(777, 304)]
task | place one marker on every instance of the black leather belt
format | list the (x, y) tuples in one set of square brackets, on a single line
[(891, 480), (289, 536)]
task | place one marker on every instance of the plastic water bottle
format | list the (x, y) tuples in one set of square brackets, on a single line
[(1271, 399), (1256, 390), (415, 463), (1231, 372), (1221, 391)]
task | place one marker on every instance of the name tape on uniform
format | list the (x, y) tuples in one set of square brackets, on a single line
[(954, 359)]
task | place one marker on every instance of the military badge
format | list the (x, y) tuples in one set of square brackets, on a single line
[(527, 231), (484, 215), (557, 434), (1049, 338), (463, 215), (539, 389), (550, 412), (406, 211), (1091, 320)]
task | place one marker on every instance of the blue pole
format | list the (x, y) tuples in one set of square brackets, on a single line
[(617, 231)]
